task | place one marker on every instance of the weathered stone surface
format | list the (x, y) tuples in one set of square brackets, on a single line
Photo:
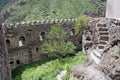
[(104, 53), (110, 63), (5, 73), (88, 73)]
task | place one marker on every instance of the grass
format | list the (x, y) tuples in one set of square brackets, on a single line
[(48, 69)]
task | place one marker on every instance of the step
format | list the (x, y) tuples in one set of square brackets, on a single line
[(102, 42), (102, 29), (101, 25), (97, 53), (104, 38), (103, 33), (100, 46), (94, 58)]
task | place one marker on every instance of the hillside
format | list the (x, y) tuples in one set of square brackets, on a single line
[(2, 3), (27, 10)]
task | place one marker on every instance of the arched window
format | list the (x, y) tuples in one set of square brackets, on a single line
[(72, 32), (21, 41), (18, 62), (42, 36), (8, 42), (37, 49), (11, 62)]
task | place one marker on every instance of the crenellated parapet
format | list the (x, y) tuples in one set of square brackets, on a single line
[(34, 30), (43, 22)]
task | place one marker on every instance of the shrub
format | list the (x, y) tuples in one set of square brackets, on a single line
[(56, 45), (81, 25)]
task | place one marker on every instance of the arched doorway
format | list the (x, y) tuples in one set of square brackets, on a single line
[(21, 41), (72, 32), (42, 36), (8, 43)]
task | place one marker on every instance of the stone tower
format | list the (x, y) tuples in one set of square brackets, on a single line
[(5, 73), (113, 9)]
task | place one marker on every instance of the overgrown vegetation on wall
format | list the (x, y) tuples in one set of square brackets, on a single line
[(81, 25)]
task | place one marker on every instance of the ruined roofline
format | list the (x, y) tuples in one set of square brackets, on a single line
[(43, 22)]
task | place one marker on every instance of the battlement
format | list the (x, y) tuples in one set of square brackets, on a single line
[(43, 22)]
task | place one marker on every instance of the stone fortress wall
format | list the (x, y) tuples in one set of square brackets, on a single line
[(24, 39)]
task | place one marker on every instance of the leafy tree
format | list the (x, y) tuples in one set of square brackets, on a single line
[(56, 45), (56, 32)]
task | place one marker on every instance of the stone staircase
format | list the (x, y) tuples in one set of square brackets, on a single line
[(103, 32), (103, 42)]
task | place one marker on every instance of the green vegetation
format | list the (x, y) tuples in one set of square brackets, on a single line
[(56, 44), (81, 25), (2, 3), (30, 10), (48, 70)]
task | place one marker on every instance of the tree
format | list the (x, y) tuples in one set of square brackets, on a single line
[(81, 25), (56, 45), (5, 73)]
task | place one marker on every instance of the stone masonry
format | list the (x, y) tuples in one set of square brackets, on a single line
[(101, 45), (5, 72), (24, 39)]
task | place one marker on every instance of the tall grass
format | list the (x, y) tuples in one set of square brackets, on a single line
[(48, 70)]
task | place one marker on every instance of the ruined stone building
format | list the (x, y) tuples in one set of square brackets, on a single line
[(24, 39)]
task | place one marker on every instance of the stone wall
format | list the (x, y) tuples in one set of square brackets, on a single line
[(5, 72), (24, 39)]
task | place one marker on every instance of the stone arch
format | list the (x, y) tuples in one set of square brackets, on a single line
[(21, 41), (72, 32), (42, 36), (8, 42), (37, 49), (11, 62), (18, 62)]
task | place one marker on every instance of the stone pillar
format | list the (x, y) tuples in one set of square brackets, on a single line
[(113, 9), (5, 72)]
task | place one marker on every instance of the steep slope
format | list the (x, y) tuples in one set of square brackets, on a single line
[(2, 3), (29, 10)]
